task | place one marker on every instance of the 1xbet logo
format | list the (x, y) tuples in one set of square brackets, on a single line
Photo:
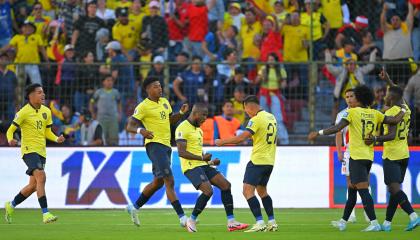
[(106, 180)]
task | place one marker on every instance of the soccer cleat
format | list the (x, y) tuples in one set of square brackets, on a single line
[(272, 227), (341, 225), (133, 214), (373, 228), (413, 224), (352, 219), (49, 218), (386, 228), (183, 221), (235, 226), (257, 228), (190, 226), (9, 210)]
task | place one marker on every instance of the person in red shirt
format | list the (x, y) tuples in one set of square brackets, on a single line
[(177, 28), (198, 25), (271, 39)]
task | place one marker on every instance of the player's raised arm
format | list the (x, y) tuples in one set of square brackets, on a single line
[(234, 140), (176, 117), (385, 76), (328, 131)]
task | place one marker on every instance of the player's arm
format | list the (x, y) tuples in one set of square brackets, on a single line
[(49, 134), (393, 120), (134, 126), (384, 76), (392, 132), (328, 131), (9, 134), (174, 118), (234, 140), (181, 144), (339, 144)]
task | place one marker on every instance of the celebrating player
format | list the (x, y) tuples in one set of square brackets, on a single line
[(34, 120), (262, 127), (343, 136), (154, 113), (362, 122), (196, 166)]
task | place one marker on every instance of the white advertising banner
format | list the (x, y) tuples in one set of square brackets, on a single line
[(113, 177)]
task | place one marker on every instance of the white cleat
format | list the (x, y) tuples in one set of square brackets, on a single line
[(257, 228), (352, 219), (133, 214), (373, 228), (183, 221), (341, 225), (191, 225)]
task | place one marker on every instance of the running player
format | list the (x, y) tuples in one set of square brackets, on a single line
[(196, 166), (343, 137), (155, 115), (34, 120), (262, 127), (362, 122)]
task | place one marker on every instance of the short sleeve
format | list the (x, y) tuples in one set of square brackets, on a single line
[(95, 96), (180, 134), (39, 41), (347, 115), (139, 112), (252, 126), (14, 41), (117, 95), (78, 24), (283, 73), (19, 118)]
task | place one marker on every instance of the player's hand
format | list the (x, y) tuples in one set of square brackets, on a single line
[(312, 136), (340, 156), (369, 140), (218, 142), (61, 139), (207, 157), (13, 142), (146, 134), (185, 107), (215, 162)]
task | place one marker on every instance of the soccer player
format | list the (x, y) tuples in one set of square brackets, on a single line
[(154, 114), (362, 122), (262, 127), (395, 159), (196, 166), (34, 120), (343, 137)]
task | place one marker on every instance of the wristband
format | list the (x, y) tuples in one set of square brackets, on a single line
[(321, 132), (181, 112), (403, 110), (56, 140), (374, 139), (139, 130)]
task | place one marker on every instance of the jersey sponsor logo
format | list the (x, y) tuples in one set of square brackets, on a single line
[(44, 115)]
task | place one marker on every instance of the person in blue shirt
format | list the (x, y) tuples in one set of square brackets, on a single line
[(7, 89), (6, 23)]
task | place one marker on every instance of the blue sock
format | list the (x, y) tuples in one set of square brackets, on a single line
[(255, 207), (19, 198), (43, 203), (268, 206), (230, 217), (13, 203), (44, 210)]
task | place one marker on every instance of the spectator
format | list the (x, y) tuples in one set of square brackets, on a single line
[(67, 121), (353, 32), (192, 90), (122, 72), (40, 21), (273, 78), (250, 52), (412, 95), (226, 69), (158, 70), (21, 13), (87, 81), (85, 28), (198, 26), (91, 133), (238, 79), (49, 8), (104, 13), (66, 73), (346, 52), (337, 13), (238, 106), (318, 24), (379, 92), (271, 39), (7, 89), (225, 125), (154, 27), (177, 26), (368, 45), (234, 16), (280, 12), (136, 15), (347, 77), (123, 4), (125, 32), (213, 87), (69, 12), (216, 13), (6, 23), (107, 101), (415, 34), (227, 39), (397, 43), (27, 45), (210, 46), (102, 40)]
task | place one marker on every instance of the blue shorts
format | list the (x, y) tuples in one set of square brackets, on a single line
[(160, 156), (359, 170), (257, 175), (200, 174), (33, 161)]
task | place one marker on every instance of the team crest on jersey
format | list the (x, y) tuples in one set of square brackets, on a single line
[(16, 116), (44, 115), (165, 106), (346, 114), (179, 134), (250, 123)]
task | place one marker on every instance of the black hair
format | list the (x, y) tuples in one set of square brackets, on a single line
[(196, 57), (251, 99), (396, 91), (185, 54), (148, 81), (200, 106), (277, 68), (364, 95), (227, 52), (31, 88), (226, 102), (349, 90), (105, 76)]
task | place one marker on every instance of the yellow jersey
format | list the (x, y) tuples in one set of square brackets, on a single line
[(363, 122), (27, 48), (273, 80), (331, 9), (352, 82), (238, 106), (193, 136), (155, 118), (294, 50), (397, 149), (33, 124), (247, 35), (137, 20), (127, 35), (263, 127), (40, 25), (305, 20)]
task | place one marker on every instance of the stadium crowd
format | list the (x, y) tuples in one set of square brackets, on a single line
[(92, 56)]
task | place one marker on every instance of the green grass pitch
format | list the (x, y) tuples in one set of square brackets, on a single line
[(156, 224)]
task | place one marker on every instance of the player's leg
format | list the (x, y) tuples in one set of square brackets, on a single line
[(224, 185), (346, 172), (23, 194), (40, 178), (268, 207), (352, 218), (251, 180)]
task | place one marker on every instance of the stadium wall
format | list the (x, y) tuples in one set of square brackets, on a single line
[(303, 177)]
